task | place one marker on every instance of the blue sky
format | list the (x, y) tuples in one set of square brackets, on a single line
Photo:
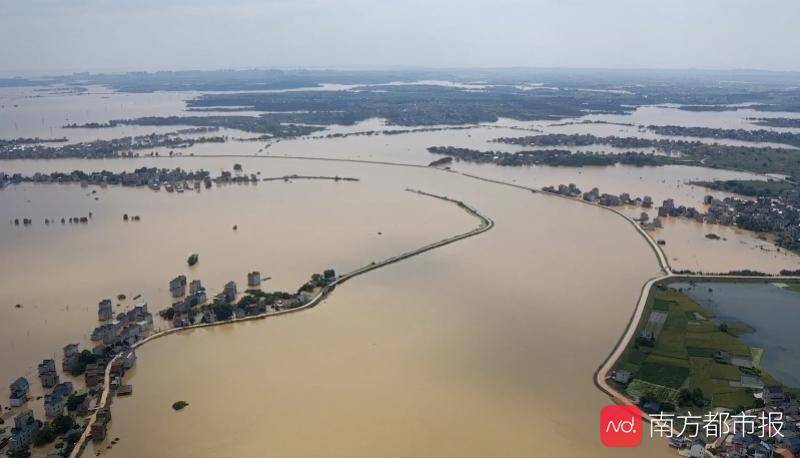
[(46, 36)]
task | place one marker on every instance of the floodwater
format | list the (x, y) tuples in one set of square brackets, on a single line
[(486, 347), (33, 112), (771, 310), (58, 273)]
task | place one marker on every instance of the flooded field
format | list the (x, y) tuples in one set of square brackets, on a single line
[(770, 310)]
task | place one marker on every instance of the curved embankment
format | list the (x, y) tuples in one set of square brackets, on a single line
[(486, 224), (601, 375)]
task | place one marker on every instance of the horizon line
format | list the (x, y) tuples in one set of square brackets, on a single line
[(55, 73)]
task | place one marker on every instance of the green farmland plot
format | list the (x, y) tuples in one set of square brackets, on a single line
[(693, 350)]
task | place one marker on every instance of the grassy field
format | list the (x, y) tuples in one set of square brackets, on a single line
[(690, 352)]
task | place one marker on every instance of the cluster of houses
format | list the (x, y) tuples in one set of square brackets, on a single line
[(594, 195), (742, 444), (55, 403), (779, 215), (183, 312), (228, 177), (609, 200), (668, 208), (172, 180), (319, 280), (114, 339), (128, 327), (139, 177), (180, 309), (778, 438), (38, 148), (224, 306), (94, 376), (292, 302)]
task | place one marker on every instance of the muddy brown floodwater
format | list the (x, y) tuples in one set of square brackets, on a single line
[(483, 347)]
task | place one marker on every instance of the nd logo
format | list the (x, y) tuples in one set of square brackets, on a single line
[(620, 426)]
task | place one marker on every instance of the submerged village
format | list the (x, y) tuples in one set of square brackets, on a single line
[(778, 216), (174, 180), (75, 396), (171, 180)]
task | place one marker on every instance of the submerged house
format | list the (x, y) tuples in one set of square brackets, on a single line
[(94, 375), (19, 392), (105, 310), (55, 402), (195, 286), (177, 286), (229, 292), (47, 373), (100, 426), (71, 356), (25, 426)]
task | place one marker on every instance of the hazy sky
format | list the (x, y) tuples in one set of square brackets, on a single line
[(100, 35)]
